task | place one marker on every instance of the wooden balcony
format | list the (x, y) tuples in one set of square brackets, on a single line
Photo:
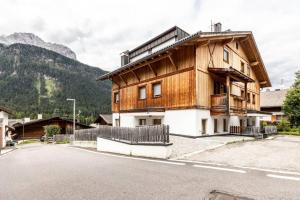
[(219, 105)]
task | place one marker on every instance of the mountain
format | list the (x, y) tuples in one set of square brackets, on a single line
[(31, 39), (36, 80)]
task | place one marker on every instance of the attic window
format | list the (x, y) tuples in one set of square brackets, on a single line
[(242, 67), (116, 97), (226, 56), (142, 92)]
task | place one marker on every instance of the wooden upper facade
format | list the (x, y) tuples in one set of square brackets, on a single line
[(198, 71)]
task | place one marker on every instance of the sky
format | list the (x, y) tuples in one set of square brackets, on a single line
[(98, 31)]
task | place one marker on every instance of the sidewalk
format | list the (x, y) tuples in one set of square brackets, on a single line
[(6, 150), (185, 147)]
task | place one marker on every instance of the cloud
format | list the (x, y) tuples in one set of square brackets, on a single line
[(98, 31)]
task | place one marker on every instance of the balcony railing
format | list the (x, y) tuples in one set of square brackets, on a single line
[(219, 103)]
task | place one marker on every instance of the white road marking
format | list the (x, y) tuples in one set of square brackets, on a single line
[(221, 168), (284, 177), (132, 158), (242, 167)]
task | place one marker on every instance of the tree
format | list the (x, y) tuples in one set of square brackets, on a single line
[(51, 130), (291, 104)]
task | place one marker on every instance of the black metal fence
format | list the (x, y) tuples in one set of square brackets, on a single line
[(158, 134)]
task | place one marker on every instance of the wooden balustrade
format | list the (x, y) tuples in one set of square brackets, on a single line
[(219, 103)]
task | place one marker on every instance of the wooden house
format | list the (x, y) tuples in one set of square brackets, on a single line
[(35, 129), (272, 102), (104, 120), (204, 83)]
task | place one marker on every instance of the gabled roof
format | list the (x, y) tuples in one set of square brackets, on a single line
[(272, 98), (5, 110), (247, 40), (106, 117), (50, 119)]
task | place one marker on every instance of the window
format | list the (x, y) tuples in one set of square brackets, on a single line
[(253, 98), (117, 122), (156, 90), (237, 45), (225, 128), (215, 125), (242, 67), (248, 70), (142, 92), (116, 97), (248, 97), (242, 93), (204, 122), (156, 121), (142, 122), (226, 56)]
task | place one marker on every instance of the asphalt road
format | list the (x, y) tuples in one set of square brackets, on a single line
[(41, 172)]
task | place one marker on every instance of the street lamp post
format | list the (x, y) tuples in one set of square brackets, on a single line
[(74, 104)]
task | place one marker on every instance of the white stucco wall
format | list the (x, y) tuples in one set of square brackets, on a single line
[(4, 119), (151, 151)]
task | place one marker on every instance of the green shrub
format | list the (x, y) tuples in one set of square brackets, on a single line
[(284, 126), (289, 133), (52, 130)]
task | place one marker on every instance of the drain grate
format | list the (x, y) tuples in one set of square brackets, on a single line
[(217, 195)]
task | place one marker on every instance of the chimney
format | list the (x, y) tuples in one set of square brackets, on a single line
[(125, 58), (40, 116), (218, 27)]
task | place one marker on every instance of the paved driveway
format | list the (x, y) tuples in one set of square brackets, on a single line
[(183, 146), (280, 153)]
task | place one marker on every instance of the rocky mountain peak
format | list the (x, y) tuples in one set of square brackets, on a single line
[(32, 39)]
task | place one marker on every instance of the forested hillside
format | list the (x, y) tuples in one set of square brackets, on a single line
[(36, 80)]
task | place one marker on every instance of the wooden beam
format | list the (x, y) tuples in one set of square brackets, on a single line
[(123, 79), (228, 41), (203, 43), (135, 75), (263, 82), (228, 93), (254, 63), (112, 79), (245, 39), (151, 68), (172, 62)]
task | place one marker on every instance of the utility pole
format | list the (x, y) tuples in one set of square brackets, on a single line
[(74, 105)]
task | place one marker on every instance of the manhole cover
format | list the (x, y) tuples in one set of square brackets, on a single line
[(217, 195)]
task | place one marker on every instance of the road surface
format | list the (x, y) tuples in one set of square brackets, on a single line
[(45, 172)]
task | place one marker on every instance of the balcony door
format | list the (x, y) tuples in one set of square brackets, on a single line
[(219, 88)]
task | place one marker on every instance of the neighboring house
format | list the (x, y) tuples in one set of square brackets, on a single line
[(204, 83), (4, 112), (35, 129), (104, 119), (272, 101)]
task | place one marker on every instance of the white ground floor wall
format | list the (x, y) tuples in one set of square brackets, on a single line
[(189, 122)]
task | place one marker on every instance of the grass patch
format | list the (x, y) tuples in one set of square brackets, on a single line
[(62, 142), (289, 133), (29, 141)]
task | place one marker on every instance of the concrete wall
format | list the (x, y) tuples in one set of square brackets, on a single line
[(151, 151), (88, 144)]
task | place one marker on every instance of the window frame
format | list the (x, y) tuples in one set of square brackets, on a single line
[(248, 97), (253, 98), (141, 120), (227, 52), (115, 97), (139, 92), (152, 86), (242, 67), (153, 121)]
